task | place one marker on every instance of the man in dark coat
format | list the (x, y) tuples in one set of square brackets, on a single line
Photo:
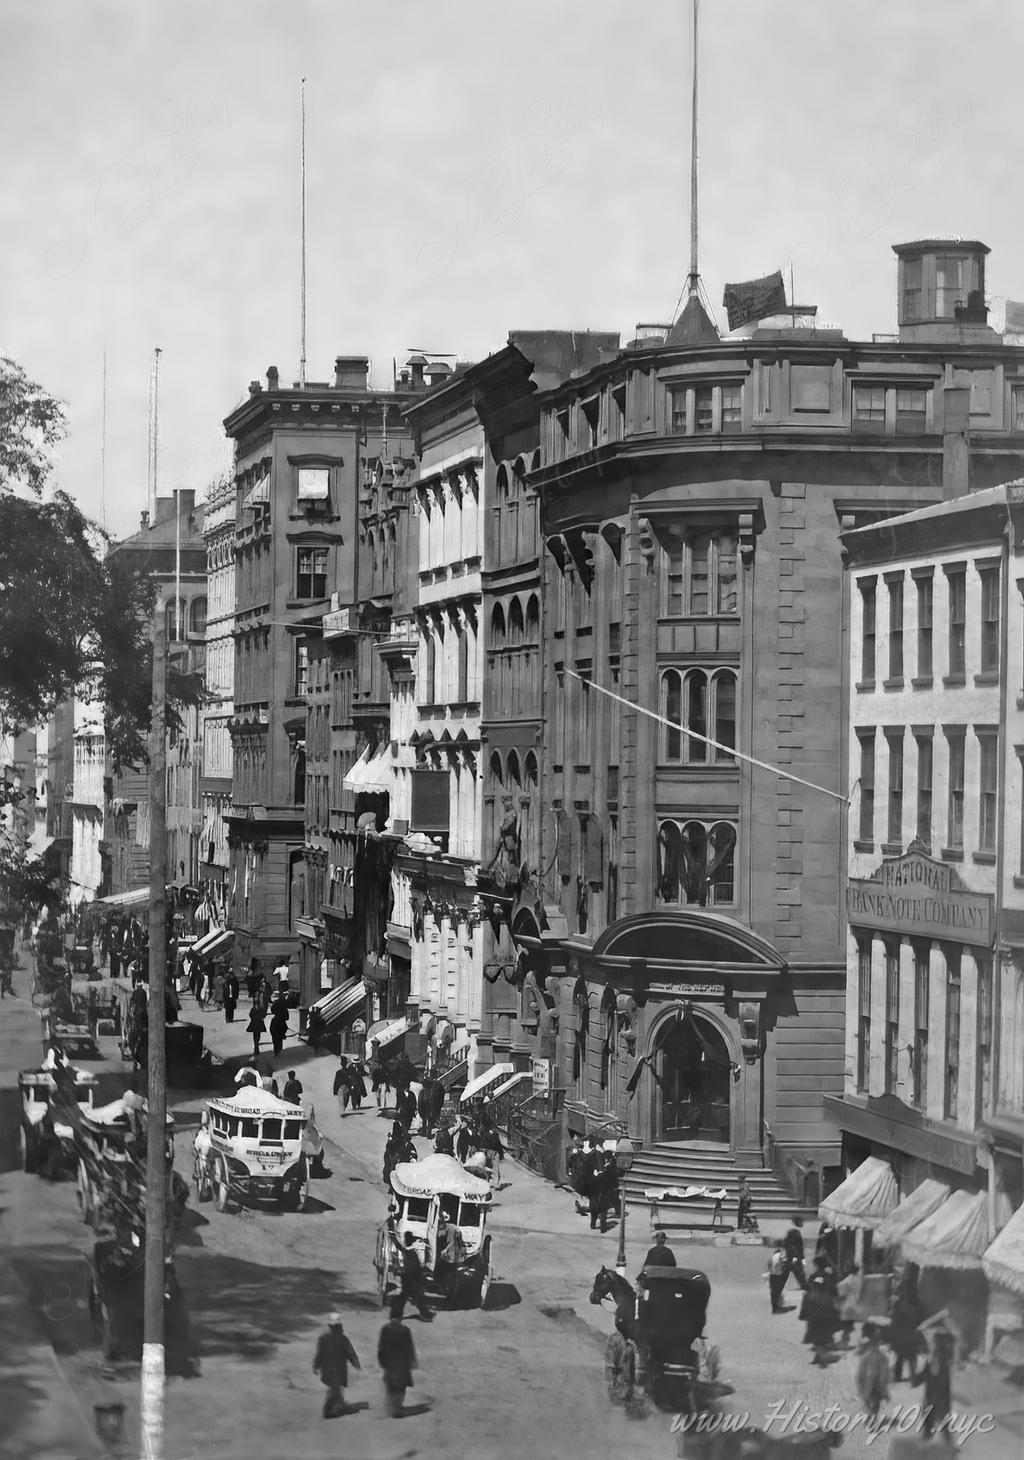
[(935, 1376), (334, 1353), (412, 1281), (661, 1254), (397, 1358), (230, 997), (406, 1108), (278, 1023), (292, 1089), (794, 1249)]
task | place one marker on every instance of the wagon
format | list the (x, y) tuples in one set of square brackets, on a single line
[(424, 1192), (671, 1310), (251, 1147), (111, 1144), (44, 1130), (115, 1288)]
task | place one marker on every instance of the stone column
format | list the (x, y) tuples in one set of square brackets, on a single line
[(905, 1062), (968, 1076), (876, 1054)]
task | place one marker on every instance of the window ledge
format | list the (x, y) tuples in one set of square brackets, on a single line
[(860, 846), (864, 685), (922, 681), (893, 683), (987, 859), (988, 676), (954, 681), (952, 854)]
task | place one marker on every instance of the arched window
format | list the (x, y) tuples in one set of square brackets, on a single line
[(462, 687), (696, 715), (197, 616), (672, 709), (515, 622), (533, 620), (581, 1008), (705, 703), (514, 778), (430, 673), (697, 865), (670, 862), (497, 770), (497, 627), (724, 689)]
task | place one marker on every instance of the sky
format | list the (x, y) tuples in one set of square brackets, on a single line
[(471, 169)]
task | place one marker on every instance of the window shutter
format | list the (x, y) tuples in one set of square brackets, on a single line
[(594, 869)]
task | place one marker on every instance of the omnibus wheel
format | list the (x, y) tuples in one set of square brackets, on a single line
[(221, 1185), (27, 1151)]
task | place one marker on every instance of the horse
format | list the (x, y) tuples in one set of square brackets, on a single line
[(608, 1284)]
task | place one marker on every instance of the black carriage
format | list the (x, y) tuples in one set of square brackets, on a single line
[(671, 1311), (115, 1279)]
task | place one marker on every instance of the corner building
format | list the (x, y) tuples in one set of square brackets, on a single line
[(692, 492)]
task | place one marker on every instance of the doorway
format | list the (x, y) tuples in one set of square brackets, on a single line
[(694, 1079)]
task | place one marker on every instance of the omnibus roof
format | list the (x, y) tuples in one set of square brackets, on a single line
[(253, 1102), (436, 1175)]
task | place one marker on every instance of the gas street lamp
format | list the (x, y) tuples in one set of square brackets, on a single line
[(623, 1161)]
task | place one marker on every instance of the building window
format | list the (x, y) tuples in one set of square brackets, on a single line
[(863, 1014), (866, 828), (696, 863), (957, 584), (988, 781), (732, 413), (197, 617), (954, 280), (984, 1061), (313, 484), (922, 1003), (895, 587), (894, 820), (301, 669), (869, 409), (911, 412), (924, 626), (311, 573), (892, 1016), (989, 577), (1017, 408), (703, 409), (868, 630), (704, 703), (924, 789), (679, 410), (700, 576), (955, 736), (952, 1036), (911, 289)]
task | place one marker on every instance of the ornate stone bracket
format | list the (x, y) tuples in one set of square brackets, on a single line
[(647, 542), (747, 537), (749, 1016)]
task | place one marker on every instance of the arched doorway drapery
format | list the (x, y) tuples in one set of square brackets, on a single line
[(609, 1025), (581, 1008), (693, 1076)]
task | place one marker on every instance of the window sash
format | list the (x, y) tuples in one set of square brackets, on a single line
[(896, 630), (925, 607), (894, 828), (957, 624), (867, 787), (989, 620), (868, 631), (925, 765), (955, 821), (988, 777)]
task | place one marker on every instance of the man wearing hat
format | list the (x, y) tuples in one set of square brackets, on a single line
[(334, 1353), (661, 1254)]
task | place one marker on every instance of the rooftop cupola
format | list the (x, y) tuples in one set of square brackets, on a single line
[(942, 290)]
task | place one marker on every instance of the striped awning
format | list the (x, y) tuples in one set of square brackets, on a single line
[(479, 1084), (354, 780), (217, 940), (387, 1033), (258, 493), (336, 1003)]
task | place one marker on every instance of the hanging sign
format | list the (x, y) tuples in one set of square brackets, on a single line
[(541, 1075)]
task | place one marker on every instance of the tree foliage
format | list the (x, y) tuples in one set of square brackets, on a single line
[(31, 425)]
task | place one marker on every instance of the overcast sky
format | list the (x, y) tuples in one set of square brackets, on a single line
[(472, 168)]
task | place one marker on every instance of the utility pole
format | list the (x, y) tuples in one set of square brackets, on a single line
[(152, 1395)]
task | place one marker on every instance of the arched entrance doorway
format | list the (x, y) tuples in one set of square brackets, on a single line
[(694, 1082)]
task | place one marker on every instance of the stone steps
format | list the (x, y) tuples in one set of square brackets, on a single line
[(705, 1164)]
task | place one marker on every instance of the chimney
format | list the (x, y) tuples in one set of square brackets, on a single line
[(416, 364), (273, 379), (350, 372), (956, 443), (254, 387)]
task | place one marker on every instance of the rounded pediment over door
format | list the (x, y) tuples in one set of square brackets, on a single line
[(686, 937)]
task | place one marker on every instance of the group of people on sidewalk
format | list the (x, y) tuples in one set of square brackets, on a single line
[(396, 1355), (594, 1175)]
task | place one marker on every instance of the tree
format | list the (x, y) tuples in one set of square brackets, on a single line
[(31, 425)]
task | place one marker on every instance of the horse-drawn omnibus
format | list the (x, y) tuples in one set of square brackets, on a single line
[(426, 1194)]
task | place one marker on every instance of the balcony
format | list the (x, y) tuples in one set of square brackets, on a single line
[(402, 641), (341, 623)]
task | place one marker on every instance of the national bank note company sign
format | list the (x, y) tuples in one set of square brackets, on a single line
[(917, 896)]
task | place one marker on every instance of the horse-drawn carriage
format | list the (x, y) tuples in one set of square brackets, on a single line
[(45, 1135), (444, 1208), (115, 1284), (255, 1147), (111, 1144), (665, 1316)]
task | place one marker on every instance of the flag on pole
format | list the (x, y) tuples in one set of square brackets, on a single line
[(754, 299)]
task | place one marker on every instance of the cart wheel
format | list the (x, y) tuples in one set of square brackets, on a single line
[(201, 1178), (221, 1185), (26, 1153), (483, 1275), (85, 1201)]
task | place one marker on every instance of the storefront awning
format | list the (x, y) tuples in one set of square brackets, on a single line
[(377, 777), (1003, 1262), (864, 1199), (914, 1208), (479, 1084), (217, 940), (523, 1077), (454, 1074), (336, 1003), (956, 1235), (135, 898), (385, 1034), (353, 781)]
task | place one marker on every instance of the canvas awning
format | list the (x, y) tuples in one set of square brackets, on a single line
[(377, 776), (956, 1235), (1003, 1262), (385, 1034), (523, 1077), (135, 898), (213, 942), (480, 1083), (914, 1208), (864, 1199), (354, 780), (336, 1003)]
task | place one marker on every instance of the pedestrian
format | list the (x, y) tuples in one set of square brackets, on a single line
[(444, 1145), (463, 1140), (744, 1204), (206, 991), (341, 1088), (820, 1309), (598, 1194), (334, 1353), (412, 1290), (794, 1246), (278, 1024), (848, 1291), (622, 1370), (252, 980), (397, 1358), (268, 1081), (256, 1026), (495, 1152), (573, 1161), (281, 975), (356, 1084), (904, 1337), (218, 989), (292, 1089), (828, 1245), (661, 1254), (230, 997), (406, 1108), (776, 1275), (872, 1374), (936, 1378)]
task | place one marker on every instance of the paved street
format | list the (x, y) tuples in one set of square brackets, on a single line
[(522, 1377)]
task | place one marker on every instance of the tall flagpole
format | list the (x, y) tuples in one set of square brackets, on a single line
[(693, 163), (302, 357), (103, 443)]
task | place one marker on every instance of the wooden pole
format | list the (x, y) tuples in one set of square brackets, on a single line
[(152, 1394)]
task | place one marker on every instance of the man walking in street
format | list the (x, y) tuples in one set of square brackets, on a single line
[(341, 1087), (334, 1353), (397, 1358), (661, 1254), (230, 997), (776, 1275), (412, 1281), (292, 1089), (794, 1248)]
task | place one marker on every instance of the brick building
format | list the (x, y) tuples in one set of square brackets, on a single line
[(692, 492)]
